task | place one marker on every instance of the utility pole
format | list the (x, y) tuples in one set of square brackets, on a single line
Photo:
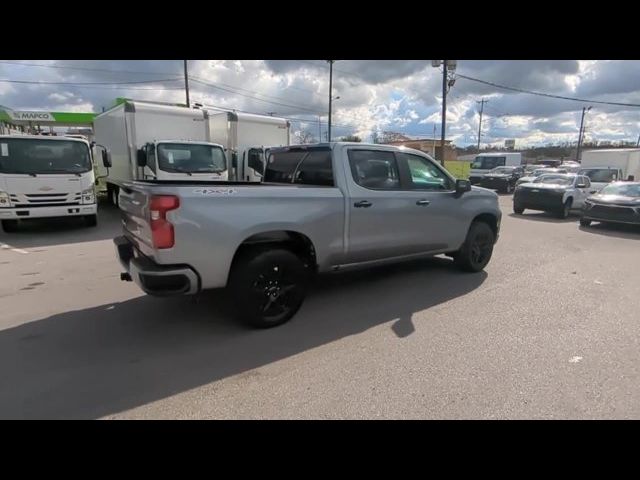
[(638, 142), (481, 102), (444, 110), (434, 140), (319, 130), (330, 97), (186, 83), (584, 111)]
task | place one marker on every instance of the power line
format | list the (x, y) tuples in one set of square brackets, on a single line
[(253, 97), (90, 83), (87, 69), (548, 95)]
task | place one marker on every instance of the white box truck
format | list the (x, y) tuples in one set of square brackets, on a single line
[(46, 176), (485, 162), (610, 165), (247, 136), (157, 141)]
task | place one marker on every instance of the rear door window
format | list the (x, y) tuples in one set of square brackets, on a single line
[(374, 169)]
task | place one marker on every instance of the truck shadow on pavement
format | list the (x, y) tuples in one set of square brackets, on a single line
[(44, 232), (104, 360)]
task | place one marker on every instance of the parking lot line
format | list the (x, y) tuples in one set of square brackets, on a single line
[(4, 246)]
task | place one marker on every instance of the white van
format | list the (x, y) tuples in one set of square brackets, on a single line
[(488, 161)]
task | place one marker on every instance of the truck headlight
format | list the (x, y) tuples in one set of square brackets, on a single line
[(89, 195), (5, 201)]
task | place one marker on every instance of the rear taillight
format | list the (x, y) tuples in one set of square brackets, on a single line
[(161, 229)]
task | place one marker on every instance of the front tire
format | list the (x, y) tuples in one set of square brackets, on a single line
[(114, 191), (268, 286), (477, 248), (518, 210), (10, 226), (566, 209), (585, 222)]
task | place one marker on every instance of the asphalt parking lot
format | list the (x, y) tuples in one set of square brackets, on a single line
[(550, 330)]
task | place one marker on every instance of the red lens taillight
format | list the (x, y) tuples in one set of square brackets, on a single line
[(161, 229)]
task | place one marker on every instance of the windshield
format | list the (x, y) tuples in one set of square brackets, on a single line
[(487, 163), (191, 158), (502, 170), (600, 174), (32, 156), (624, 189), (555, 179)]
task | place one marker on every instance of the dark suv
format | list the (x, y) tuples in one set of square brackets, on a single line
[(502, 179)]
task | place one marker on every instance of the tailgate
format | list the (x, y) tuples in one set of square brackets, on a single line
[(134, 206)]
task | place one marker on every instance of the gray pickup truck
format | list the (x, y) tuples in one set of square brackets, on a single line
[(320, 208)]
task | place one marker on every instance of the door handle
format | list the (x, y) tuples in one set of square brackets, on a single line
[(423, 203), (362, 204), (594, 191)]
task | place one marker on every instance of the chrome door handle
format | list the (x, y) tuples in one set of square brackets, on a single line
[(362, 204), (423, 203)]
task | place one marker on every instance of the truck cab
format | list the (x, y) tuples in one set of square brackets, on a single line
[(46, 176), (182, 160)]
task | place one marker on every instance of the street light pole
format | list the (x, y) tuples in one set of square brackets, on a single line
[(330, 98)]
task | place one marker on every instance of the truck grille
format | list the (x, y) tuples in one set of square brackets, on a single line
[(614, 213), (30, 200)]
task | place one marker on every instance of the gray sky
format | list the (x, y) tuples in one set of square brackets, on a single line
[(397, 95)]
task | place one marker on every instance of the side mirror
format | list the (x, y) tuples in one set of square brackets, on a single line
[(142, 157), (106, 158), (463, 186)]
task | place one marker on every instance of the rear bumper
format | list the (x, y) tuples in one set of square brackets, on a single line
[(47, 212), (154, 279)]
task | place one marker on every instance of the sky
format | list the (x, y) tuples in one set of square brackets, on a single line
[(374, 95)]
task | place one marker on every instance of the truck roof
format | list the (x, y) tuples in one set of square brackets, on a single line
[(251, 117), (613, 150), (142, 106), (46, 137)]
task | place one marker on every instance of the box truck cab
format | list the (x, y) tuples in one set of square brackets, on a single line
[(157, 141), (246, 137), (485, 162), (610, 165), (46, 176)]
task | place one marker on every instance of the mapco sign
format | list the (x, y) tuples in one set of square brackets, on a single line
[(31, 116)]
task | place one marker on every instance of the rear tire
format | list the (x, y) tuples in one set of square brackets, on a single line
[(518, 210), (10, 226), (566, 209), (268, 286), (91, 220), (477, 248), (585, 222)]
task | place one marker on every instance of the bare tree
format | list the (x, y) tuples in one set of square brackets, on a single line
[(305, 136)]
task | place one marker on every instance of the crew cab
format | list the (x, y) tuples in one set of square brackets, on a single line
[(321, 208)]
